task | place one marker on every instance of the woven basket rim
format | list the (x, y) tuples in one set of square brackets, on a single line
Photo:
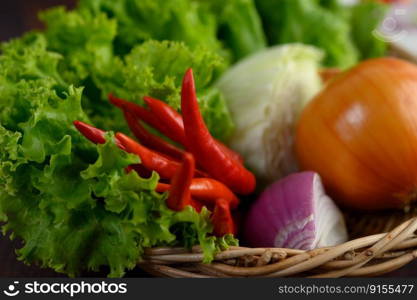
[(371, 255)]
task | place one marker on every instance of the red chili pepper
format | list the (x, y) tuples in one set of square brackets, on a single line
[(222, 219), (165, 127), (205, 149), (140, 111), (151, 160), (175, 121), (232, 154), (179, 192), (152, 141), (95, 135), (168, 115), (165, 119), (207, 190)]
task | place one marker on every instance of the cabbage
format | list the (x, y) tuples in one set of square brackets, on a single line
[(265, 94)]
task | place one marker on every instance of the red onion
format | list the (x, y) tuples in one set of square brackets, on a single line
[(295, 213)]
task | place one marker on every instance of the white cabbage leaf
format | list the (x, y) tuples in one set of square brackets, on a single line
[(266, 93)]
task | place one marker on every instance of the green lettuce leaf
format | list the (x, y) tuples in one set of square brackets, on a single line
[(86, 43), (343, 32), (107, 219), (239, 26), (364, 19), (85, 40), (290, 21)]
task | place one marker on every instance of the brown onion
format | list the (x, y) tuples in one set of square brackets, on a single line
[(360, 135)]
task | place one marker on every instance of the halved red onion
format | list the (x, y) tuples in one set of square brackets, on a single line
[(295, 212)]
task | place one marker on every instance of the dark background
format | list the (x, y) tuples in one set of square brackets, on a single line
[(16, 17)]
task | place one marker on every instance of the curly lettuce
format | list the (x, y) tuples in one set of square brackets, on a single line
[(85, 40), (230, 28), (153, 68), (71, 202)]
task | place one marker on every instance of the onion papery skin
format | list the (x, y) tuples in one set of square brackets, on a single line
[(360, 134)]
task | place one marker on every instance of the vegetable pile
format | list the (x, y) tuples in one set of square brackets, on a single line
[(190, 130), (80, 206)]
